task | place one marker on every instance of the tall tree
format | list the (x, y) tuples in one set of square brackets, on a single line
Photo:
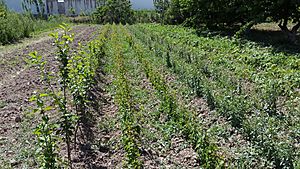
[(2, 9), (101, 2), (161, 7), (283, 11), (114, 11), (216, 13)]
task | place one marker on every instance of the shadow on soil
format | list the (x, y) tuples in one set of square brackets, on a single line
[(264, 38), (275, 39), (88, 133)]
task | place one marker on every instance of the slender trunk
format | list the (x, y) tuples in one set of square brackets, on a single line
[(69, 150), (296, 27), (290, 34)]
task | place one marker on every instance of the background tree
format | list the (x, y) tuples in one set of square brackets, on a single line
[(2, 9), (230, 13), (114, 11), (101, 2), (283, 12), (161, 7), (173, 13), (146, 16)]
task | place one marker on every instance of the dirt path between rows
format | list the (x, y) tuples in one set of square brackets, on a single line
[(18, 82)]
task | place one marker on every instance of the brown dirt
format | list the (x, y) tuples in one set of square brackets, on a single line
[(156, 154), (17, 84)]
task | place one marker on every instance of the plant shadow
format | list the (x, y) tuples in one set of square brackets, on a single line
[(88, 134), (274, 39)]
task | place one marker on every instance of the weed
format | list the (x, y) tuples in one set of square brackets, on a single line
[(2, 104)]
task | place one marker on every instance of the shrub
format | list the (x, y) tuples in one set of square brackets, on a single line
[(14, 27)]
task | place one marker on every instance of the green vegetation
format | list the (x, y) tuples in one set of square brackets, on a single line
[(146, 16), (130, 127), (252, 88), (231, 14), (114, 11), (254, 95), (181, 119), (76, 73), (232, 103), (14, 26), (2, 9)]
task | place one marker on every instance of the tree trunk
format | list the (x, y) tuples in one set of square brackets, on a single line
[(290, 34)]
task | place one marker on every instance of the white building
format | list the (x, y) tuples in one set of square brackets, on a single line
[(57, 6), (69, 6), (79, 6)]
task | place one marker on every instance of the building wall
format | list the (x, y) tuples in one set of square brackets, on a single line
[(55, 7), (79, 6)]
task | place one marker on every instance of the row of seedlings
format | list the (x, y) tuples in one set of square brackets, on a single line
[(159, 136), (75, 77), (183, 120), (229, 97), (124, 98)]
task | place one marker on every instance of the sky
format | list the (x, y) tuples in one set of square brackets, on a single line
[(14, 4), (142, 4), (136, 4)]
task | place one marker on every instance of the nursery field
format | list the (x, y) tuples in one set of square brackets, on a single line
[(148, 96)]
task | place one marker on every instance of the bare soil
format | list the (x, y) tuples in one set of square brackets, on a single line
[(98, 142)]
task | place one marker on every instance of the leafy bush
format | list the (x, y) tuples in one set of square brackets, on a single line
[(145, 16), (114, 11), (14, 26), (2, 9)]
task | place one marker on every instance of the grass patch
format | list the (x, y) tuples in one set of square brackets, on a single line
[(2, 104)]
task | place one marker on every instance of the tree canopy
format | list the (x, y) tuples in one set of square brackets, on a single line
[(220, 13), (2, 9), (114, 11)]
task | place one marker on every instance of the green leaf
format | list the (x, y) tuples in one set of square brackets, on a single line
[(48, 108)]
